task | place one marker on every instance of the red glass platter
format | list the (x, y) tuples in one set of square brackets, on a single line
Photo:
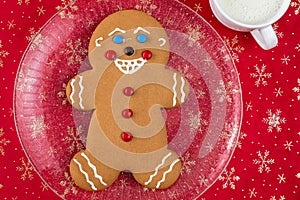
[(203, 131)]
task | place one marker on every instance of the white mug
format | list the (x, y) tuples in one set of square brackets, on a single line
[(262, 32)]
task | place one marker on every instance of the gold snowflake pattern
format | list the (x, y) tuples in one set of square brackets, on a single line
[(203, 181), (38, 127), (67, 13), (263, 161), (73, 139), (241, 137), (196, 122), (229, 130), (36, 40), (20, 2), (260, 75), (147, 6), (11, 24), (68, 184), (281, 197), (186, 72), (1, 186), (44, 187), (297, 47), (75, 52), (195, 33), (278, 33), (198, 7), (297, 89), (3, 142), (31, 35), (3, 54), (296, 5), (225, 91), (62, 94), (40, 10), (274, 120), (172, 194), (187, 164), (234, 47), (285, 59), (229, 178), (26, 169)]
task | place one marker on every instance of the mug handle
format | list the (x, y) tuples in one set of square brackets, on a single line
[(265, 37)]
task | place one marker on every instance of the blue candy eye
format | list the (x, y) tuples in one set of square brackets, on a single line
[(142, 38), (118, 39)]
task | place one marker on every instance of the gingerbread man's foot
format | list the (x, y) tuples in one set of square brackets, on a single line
[(90, 174), (163, 176)]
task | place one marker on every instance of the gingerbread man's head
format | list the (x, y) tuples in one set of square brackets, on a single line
[(129, 38)]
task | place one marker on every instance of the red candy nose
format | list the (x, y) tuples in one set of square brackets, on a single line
[(147, 54), (111, 55)]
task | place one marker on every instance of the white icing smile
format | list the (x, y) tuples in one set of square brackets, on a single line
[(130, 66)]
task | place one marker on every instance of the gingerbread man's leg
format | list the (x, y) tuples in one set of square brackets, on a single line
[(90, 174), (163, 176)]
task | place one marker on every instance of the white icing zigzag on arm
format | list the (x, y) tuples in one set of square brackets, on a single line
[(181, 89), (174, 89), (166, 172), (73, 91), (86, 175), (81, 91), (93, 168), (158, 166)]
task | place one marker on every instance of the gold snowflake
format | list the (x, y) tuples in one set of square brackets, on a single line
[(229, 178), (196, 122), (296, 5), (226, 91), (75, 52), (73, 139), (147, 5), (195, 33), (234, 48), (38, 126), (67, 8), (40, 10), (68, 184), (20, 2), (3, 54), (31, 35), (3, 142), (26, 168), (187, 164)]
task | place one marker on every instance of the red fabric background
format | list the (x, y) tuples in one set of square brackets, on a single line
[(271, 96)]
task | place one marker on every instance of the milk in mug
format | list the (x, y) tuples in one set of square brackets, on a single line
[(251, 12)]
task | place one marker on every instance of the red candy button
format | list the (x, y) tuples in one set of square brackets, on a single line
[(111, 55), (126, 137), (147, 54), (127, 113), (128, 91)]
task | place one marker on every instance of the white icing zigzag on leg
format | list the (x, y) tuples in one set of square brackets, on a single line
[(166, 172), (158, 166), (81, 91), (181, 89), (86, 175), (174, 89), (93, 167), (73, 91)]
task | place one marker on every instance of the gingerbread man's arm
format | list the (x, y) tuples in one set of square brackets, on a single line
[(81, 89), (178, 87)]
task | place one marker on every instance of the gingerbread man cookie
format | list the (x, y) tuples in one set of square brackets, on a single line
[(127, 87)]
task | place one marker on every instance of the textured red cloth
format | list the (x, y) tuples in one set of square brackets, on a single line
[(265, 164)]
